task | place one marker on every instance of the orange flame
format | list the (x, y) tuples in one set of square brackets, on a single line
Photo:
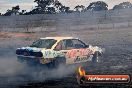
[(81, 71)]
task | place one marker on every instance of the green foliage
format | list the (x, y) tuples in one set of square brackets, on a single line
[(123, 5), (79, 8), (55, 6), (48, 7), (15, 11), (97, 6)]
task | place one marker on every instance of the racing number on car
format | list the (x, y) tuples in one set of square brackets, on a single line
[(79, 55)]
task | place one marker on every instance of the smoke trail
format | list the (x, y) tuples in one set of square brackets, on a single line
[(13, 72)]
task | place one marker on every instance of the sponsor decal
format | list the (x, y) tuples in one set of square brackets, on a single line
[(78, 52), (79, 55), (85, 58), (50, 54)]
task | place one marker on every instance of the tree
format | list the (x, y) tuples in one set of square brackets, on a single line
[(50, 10), (14, 11), (57, 6), (79, 8), (65, 9), (60, 8), (8, 13), (42, 6), (48, 7), (123, 5), (97, 6), (22, 12)]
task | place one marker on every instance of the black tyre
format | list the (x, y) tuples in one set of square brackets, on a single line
[(20, 59), (27, 61), (59, 61), (95, 58), (82, 81)]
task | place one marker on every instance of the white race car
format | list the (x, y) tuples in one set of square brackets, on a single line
[(58, 50)]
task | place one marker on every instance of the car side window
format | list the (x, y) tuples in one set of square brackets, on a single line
[(60, 46), (69, 44), (78, 44), (66, 44)]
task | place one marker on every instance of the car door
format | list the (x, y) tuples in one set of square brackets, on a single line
[(65, 46), (79, 53), (75, 51)]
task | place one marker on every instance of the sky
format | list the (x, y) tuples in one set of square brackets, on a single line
[(29, 4)]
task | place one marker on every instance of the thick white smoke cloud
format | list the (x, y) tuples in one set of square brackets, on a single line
[(16, 73), (10, 67)]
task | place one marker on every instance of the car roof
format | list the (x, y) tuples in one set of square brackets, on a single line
[(59, 38)]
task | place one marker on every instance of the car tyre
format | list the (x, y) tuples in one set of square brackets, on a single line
[(59, 61), (95, 58)]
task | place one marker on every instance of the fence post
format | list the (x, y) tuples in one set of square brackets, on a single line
[(113, 25), (128, 23), (98, 26)]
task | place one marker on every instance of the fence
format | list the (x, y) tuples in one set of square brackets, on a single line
[(64, 21)]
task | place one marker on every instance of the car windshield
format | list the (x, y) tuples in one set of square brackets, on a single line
[(44, 43)]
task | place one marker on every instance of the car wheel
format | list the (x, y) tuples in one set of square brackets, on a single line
[(95, 58), (20, 59), (82, 81), (59, 61)]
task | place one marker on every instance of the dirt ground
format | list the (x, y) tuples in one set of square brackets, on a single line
[(117, 58)]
